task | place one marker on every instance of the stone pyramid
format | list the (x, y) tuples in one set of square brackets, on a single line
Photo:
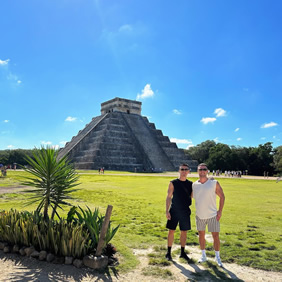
[(122, 139)]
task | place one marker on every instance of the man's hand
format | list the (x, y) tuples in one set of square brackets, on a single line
[(168, 215), (218, 216)]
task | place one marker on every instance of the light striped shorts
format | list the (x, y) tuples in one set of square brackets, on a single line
[(213, 224)]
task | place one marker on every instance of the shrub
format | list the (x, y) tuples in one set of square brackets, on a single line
[(76, 237)]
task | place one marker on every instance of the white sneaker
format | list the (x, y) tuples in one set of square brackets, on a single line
[(202, 259), (218, 261)]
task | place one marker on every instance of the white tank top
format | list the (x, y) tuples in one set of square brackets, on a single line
[(205, 198)]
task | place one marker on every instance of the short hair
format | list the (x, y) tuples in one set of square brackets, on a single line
[(202, 164), (184, 165)]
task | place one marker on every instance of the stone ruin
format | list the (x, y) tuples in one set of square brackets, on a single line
[(122, 139)]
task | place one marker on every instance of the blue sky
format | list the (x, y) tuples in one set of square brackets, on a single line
[(202, 69)]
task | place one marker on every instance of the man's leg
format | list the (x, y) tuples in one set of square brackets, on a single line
[(202, 242), (216, 246), (170, 239), (216, 241), (183, 238), (202, 239)]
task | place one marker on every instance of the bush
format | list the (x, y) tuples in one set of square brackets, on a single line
[(74, 237)]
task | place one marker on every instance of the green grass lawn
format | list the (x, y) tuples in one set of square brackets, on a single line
[(251, 223)]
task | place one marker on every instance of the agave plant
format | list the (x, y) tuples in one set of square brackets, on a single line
[(59, 237), (52, 179), (93, 223)]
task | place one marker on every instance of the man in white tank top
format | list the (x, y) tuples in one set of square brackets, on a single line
[(205, 191)]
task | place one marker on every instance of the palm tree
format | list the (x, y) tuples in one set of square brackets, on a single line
[(53, 180)]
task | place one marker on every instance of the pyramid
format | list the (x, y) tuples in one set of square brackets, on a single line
[(122, 139)]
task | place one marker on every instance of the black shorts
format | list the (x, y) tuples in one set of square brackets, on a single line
[(181, 216)]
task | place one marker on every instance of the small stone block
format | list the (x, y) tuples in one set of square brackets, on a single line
[(3, 245), (68, 260), (50, 257), (95, 262), (34, 254), (77, 263), (42, 255), (16, 249), (29, 251), (22, 251), (7, 249)]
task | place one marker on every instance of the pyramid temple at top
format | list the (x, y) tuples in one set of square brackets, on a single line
[(122, 139)]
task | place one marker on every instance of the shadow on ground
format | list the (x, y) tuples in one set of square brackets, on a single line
[(212, 273), (29, 269)]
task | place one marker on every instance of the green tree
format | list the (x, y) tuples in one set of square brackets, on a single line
[(277, 159), (220, 157), (201, 151), (261, 159), (53, 180)]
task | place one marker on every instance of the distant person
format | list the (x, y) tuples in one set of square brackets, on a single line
[(2, 169), (205, 191), (99, 170), (178, 203)]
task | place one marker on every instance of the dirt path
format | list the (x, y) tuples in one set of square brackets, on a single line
[(16, 268), (12, 189)]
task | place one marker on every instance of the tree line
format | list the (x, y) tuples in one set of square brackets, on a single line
[(18, 156), (256, 160)]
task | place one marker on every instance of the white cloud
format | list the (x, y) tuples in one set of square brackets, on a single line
[(270, 124), (216, 139), (237, 129), (181, 141), (71, 119), (19, 81), (206, 120), (125, 28), (146, 92), (274, 137), (239, 139), (10, 147), (4, 63), (6, 120), (219, 112), (46, 143), (63, 143), (263, 138), (177, 112)]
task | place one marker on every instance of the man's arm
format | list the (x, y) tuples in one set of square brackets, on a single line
[(220, 194), (168, 199)]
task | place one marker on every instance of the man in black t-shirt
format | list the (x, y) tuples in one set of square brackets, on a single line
[(178, 203)]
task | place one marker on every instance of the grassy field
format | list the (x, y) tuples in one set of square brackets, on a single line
[(250, 226)]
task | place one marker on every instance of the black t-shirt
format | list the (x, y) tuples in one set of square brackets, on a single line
[(181, 197)]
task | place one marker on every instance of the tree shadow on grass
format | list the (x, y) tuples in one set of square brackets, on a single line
[(29, 269), (213, 273)]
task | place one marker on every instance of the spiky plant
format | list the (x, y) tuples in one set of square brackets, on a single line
[(53, 180)]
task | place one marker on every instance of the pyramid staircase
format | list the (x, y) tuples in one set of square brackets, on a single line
[(126, 142)]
